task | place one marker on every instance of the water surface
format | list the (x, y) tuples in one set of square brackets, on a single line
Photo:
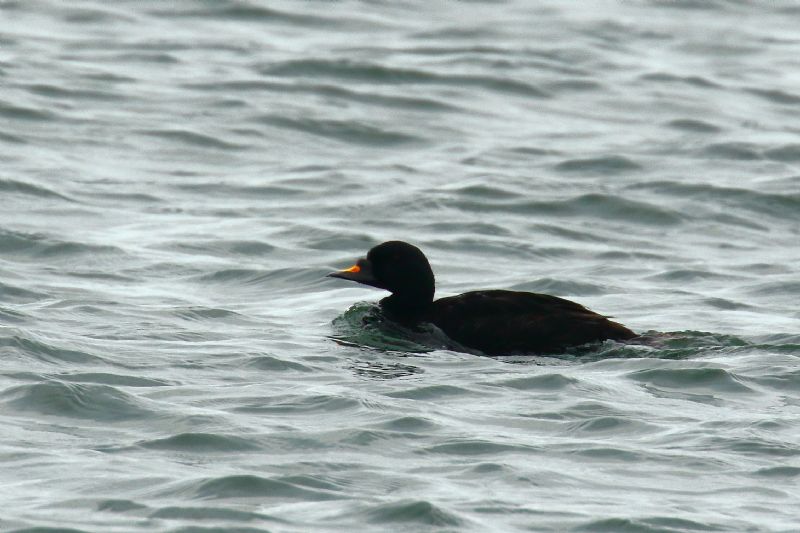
[(177, 178)]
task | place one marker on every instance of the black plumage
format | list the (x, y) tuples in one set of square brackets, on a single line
[(495, 322)]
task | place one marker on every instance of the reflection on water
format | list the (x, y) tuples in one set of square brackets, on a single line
[(383, 369)]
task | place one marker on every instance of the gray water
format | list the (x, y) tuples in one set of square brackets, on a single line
[(178, 177)]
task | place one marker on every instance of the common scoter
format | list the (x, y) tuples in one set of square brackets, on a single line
[(495, 322)]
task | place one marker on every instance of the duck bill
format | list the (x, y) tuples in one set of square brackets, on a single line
[(361, 272)]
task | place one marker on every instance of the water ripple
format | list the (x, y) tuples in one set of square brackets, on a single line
[(202, 443), (251, 486), (100, 403), (348, 131), (381, 74)]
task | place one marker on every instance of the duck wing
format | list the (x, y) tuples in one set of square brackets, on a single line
[(499, 322)]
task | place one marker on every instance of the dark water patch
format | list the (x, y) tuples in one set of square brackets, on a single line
[(119, 506), (776, 96), (409, 103), (209, 513), (155, 58), (416, 513), (297, 404), (493, 248), (10, 315), (48, 352), (677, 345), (693, 125), (348, 131), (98, 275), (13, 186), (100, 403), (607, 454), (560, 287), (39, 245), (707, 379), (623, 255), (727, 219), (607, 207), (251, 486), (775, 288), (614, 207), (484, 191), (609, 426), (533, 150), (646, 525), (277, 192), (7, 137), (379, 369), (45, 529), (226, 248), (574, 85), (201, 443), (726, 304), (582, 410), (347, 70), (85, 15), (58, 92), (222, 529), (271, 363), (459, 33), (13, 112), (785, 379), (757, 447), (104, 378), (682, 524), (431, 392), (687, 275), (489, 468), (242, 276), (779, 472), (605, 165), (161, 270), (108, 77), (740, 151), (544, 382), (789, 153), (191, 138), (339, 243), (118, 196), (241, 12), (783, 205), (380, 74), (473, 447), (780, 348), (14, 294), (468, 228), (204, 313), (695, 81), (409, 424), (457, 50), (584, 235), (278, 280)]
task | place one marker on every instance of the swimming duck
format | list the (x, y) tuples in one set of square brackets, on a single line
[(494, 322)]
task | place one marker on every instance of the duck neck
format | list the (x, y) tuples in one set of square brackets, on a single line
[(407, 307)]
